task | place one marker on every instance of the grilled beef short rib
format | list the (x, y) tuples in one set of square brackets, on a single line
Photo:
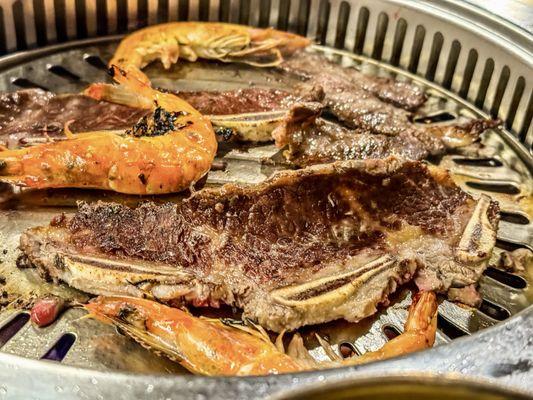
[(304, 247), (313, 139)]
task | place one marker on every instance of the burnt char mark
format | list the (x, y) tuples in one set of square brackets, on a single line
[(276, 229), (159, 123)]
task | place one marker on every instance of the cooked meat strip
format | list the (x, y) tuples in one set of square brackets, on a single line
[(313, 67), (304, 247), (240, 101), (37, 114), (312, 139), (367, 112)]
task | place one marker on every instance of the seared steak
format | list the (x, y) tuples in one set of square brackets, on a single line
[(314, 67), (312, 139), (35, 115), (304, 247)]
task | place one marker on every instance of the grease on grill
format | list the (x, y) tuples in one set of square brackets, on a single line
[(159, 123)]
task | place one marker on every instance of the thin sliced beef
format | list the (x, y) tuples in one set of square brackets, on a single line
[(240, 101), (312, 67), (303, 247), (312, 139), (34, 115)]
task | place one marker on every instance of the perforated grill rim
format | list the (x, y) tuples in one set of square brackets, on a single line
[(471, 54)]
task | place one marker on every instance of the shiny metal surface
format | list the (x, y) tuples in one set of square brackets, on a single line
[(407, 387), (101, 360)]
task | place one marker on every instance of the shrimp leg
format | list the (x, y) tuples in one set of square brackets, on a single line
[(211, 347)]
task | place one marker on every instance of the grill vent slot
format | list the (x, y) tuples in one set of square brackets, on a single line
[(485, 81), (500, 90), (60, 348), (11, 328), (399, 39), (514, 281), (448, 328), (418, 42), (20, 29), (468, 72), (434, 56), (342, 23), (381, 31), (360, 35)]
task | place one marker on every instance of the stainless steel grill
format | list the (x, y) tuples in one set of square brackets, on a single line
[(469, 62)]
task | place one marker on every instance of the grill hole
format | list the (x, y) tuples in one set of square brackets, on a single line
[(514, 218), (20, 27), (434, 55), (12, 327), (322, 23), (399, 38), (283, 16), (347, 350), (420, 34), (183, 10), (506, 188), (63, 72), (517, 96), (60, 348), (101, 17), (26, 84), (506, 278), (61, 20), (442, 116), (500, 90), (478, 162), (455, 51), (244, 12), (81, 19), (486, 76), (162, 11), (527, 120), (95, 61), (223, 11), (39, 18), (142, 13), (471, 62), (508, 246), (391, 332), (3, 43), (450, 329), (493, 310), (381, 31), (342, 23), (122, 16), (264, 14), (360, 33), (203, 10)]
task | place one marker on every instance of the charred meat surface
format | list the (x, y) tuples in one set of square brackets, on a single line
[(31, 115), (312, 67), (303, 247), (240, 101), (312, 139)]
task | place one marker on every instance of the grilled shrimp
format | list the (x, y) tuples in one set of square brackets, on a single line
[(212, 41), (218, 347), (163, 153)]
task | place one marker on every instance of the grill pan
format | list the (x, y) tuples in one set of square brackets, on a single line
[(470, 63)]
